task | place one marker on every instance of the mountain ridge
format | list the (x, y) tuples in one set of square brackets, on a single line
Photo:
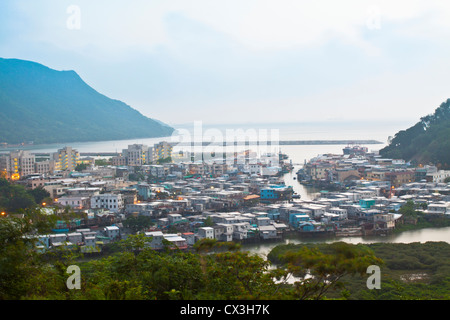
[(44, 105)]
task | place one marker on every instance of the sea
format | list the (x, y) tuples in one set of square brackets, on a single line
[(358, 130), (298, 154)]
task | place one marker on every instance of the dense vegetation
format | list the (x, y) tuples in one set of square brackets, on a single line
[(14, 197), (425, 142), (129, 269), (409, 271), (47, 106)]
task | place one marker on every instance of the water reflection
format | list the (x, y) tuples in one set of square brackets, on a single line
[(423, 235)]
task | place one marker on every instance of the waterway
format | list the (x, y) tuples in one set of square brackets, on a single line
[(422, 236), (263, 248), (298, 154)]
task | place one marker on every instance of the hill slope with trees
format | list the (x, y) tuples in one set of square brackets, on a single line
[(43, 105), (425, 142)]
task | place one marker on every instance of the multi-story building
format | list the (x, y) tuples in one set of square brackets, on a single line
[(75, 202), (119, 161), (276, 193), (387, 220), (157, 171), (254, 168), (319, 170), (162, 150), (376, 175), (206, 233), (140, 154), (112, 232), (135, 155), (397, 178), (44, 167), (17, 164), (66, 159), (343, 174), (218, 169), (438, 176), (112, 202), (422, 172), (196, 168), (4, 166)]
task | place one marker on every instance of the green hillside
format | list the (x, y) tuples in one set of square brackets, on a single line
[(47, 106), (428, 141)]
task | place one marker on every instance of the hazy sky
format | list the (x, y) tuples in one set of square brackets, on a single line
[(244, 61)]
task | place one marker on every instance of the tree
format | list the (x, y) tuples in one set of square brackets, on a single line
[(39, 194), (208, 222), (23, 270), (241, 275), (102, 162), (14, 197), (164, 160), (138, 223), (80, 167), (320, 270), (408, 210)]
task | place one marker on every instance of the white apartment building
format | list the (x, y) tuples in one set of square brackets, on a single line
[(439, 208), (75, 237), (112, 232), (339, 211), (254, 168), (268, 232), (156, 239), (112, 202), (206, 233), (75, 202), (223, 232), (240, 230), (438, 176)]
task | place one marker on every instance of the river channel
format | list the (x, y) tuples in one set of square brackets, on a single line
[(422, 235)]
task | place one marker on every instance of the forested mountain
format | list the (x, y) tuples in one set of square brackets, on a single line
[(428, 141), (43, 105)]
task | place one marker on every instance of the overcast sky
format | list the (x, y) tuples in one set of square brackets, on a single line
[(244, 61)]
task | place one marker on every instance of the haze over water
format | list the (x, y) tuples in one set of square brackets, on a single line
[(379, 131)]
